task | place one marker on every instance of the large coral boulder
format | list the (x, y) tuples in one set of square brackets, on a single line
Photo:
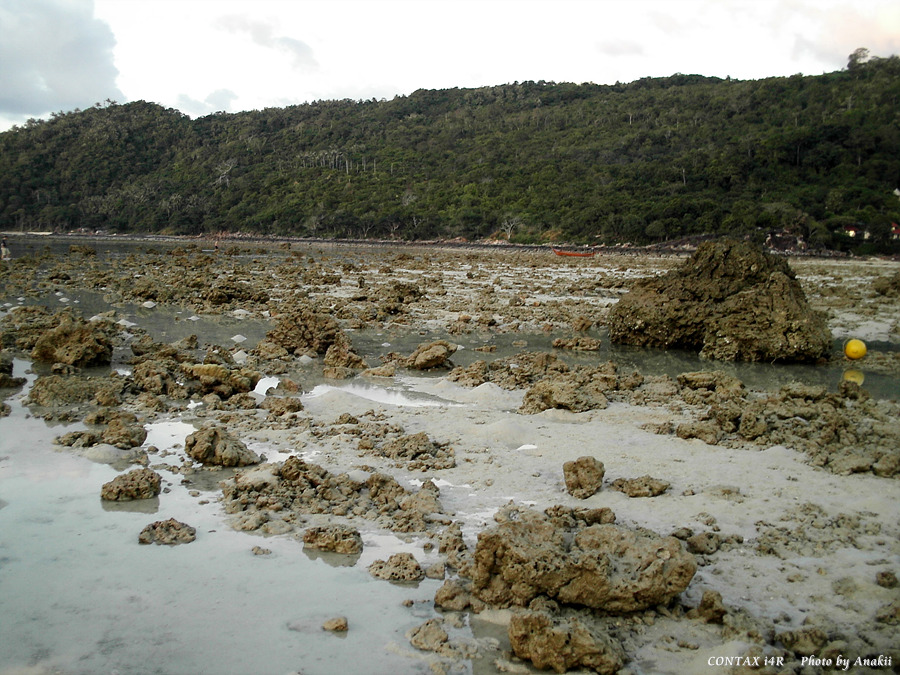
[(606, 567), (305, 330), (74, 342), (731, 301)]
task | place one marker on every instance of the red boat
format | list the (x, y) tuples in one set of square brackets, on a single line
[(574, 254)]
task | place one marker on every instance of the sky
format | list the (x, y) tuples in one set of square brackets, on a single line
[(204, 56)]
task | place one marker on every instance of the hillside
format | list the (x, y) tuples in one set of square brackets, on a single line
[(655, 159)]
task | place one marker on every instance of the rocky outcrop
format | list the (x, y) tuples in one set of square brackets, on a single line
[(74, 342), (136, 484), (124, 433), (606, 567), (418, 452), (576, 391), (55, 390), (304, 331), (399, 567), (221, 379), (730, 301), (213, 445), (169, 532), (296, 486), (334, 539), (340, 356), (563, 644)]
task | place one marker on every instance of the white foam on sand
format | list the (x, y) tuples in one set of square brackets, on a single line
[(376, 394)]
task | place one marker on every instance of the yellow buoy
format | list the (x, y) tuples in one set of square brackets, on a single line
[(855, 349)]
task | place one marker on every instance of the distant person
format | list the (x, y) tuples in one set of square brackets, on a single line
[(4, 250)]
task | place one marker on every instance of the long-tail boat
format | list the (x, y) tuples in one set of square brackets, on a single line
[(574, 254)]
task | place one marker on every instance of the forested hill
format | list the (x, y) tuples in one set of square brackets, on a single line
[(651, 160)]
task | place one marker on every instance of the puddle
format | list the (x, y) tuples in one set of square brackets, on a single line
[(81, 596), (376, 394)]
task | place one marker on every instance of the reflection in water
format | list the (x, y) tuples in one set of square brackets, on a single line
[(333, 559), (132, 505)]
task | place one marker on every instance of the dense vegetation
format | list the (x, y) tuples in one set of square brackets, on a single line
[(655, 159)]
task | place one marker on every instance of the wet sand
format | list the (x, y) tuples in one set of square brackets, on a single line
[(801, 548)]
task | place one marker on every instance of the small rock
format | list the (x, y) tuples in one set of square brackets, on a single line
[(429, 637), (886, 579), (645, 486), (431, 355), (169, 532), (805, 641), (337, 624), (584, 476), (704, 543), (710, 609), (399, 567)]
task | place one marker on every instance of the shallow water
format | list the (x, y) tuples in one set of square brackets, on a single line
[(78, 594)]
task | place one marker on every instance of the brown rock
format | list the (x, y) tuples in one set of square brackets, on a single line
[(212, 445), (431, 355), (583, 476), (731, 301), (168, 532), (705, 543), (707, 431), (429, 636), (337, 624), (452, 596), (645, 486), (399, 567), (804, 641), (123, 435), (302, 331), (606, 567), (341, 355), (577, 390), (563, 644), (136, 484), (710, 609), (334, 538), (56, 390), (73, 342)]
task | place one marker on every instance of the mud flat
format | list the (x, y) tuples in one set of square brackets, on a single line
[(404, 415)]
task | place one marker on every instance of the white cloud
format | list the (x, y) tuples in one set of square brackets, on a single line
[(54, 55), (263, 33), (262, 53), (218, 101)]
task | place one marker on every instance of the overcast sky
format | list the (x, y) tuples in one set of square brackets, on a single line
[(202, 56)]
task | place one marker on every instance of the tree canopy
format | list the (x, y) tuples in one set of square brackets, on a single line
[(654, 159)]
